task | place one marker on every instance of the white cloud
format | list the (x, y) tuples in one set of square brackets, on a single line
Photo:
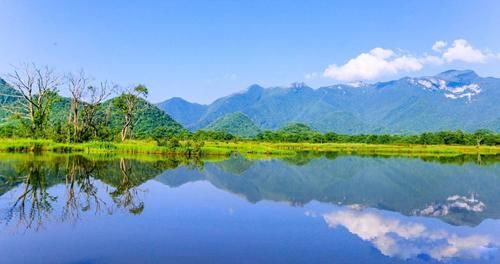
[(380, 62), (439, 46), (372, 65), (461, 50), (430, 59), (396, 238)]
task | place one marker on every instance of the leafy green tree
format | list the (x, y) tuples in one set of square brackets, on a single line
[(163, 135), (126, 103)]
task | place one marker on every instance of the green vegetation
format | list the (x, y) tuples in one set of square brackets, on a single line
[(302, 133), (237, 124), (197, 148)]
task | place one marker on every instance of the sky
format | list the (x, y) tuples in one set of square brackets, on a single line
[(202, 50)]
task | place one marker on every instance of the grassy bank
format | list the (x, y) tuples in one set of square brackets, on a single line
[(219, 148)]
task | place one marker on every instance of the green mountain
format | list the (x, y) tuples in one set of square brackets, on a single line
[(236, 124), (187, 113), (148, 119), (448, 101), (5, 90)]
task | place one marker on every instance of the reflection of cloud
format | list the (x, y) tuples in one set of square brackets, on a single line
[(454, 203), (406, 240)]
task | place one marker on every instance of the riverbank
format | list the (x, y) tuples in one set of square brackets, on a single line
[(221, 148)]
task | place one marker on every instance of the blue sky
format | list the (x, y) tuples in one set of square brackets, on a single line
[(201, 50)]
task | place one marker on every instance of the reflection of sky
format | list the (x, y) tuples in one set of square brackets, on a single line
[(224, 228), (406, 237)]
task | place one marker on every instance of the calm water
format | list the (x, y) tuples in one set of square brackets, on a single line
[(306, 209)]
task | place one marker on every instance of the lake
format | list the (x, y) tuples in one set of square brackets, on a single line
[(310, 208)]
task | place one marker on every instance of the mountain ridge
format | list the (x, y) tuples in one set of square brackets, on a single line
[(453, 99)]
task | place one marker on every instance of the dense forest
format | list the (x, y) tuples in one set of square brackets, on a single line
[(31, 107), (302, 133)]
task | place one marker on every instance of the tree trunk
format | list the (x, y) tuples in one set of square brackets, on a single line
[(124, 133)]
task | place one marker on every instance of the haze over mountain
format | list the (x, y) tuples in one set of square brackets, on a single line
[(447, 101)]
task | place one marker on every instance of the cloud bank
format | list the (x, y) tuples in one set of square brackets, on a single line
[(380, 62)]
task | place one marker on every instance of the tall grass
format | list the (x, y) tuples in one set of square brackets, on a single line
[(243, 147)]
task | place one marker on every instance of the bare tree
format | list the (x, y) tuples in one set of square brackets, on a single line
[(127, 104), (36, 88), (77, 84), (85, 101), (95, 96)]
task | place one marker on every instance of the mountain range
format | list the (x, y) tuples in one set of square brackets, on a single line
[(454, 99)]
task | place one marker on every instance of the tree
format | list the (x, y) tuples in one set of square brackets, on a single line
[(85, 102), (77, 83), (483, 135), (164, 136), (36, 88), (95, 96), (126, 104)]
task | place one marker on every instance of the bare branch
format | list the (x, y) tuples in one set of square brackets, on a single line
[(35, 88)]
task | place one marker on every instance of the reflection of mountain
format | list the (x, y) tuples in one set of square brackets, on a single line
[(235, 165), (409, 186)]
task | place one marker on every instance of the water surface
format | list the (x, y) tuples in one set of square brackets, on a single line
[(303, 209)]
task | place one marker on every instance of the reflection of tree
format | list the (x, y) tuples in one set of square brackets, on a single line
[(80, 171), (126, 195), (34, 203), (81, 180)]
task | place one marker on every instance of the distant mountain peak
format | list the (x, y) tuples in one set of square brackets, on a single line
[(255, 87), (454, 84), (458, 75), (178, 99)]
